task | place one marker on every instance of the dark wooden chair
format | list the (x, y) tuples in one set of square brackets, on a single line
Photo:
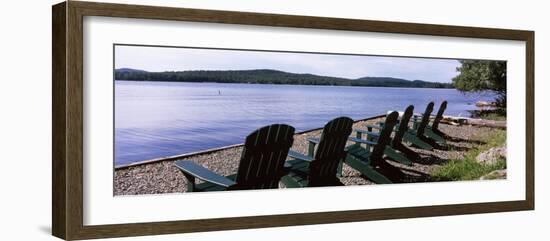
[(431, 133), (367, 159), (261, 165), (415, 135), (320, 167), (396, 150)]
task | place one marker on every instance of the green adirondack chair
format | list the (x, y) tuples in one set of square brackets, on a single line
[(261, 165), (435, 137), (320, 167), (396, 150), (415, 136), (366, 159), (433, 131)]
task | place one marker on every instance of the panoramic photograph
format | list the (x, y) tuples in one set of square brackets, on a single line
[(190, 119)]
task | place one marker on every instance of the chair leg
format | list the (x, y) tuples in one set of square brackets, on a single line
[(190, 182), (339, 170)]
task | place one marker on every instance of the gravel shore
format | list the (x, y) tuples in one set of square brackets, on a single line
[(163, 177)]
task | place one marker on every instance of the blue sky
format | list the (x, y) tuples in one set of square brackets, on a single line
[(347, 66)]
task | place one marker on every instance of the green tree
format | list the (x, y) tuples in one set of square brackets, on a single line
[(482, 75)]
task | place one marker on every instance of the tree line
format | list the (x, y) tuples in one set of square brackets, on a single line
[(266, 76)]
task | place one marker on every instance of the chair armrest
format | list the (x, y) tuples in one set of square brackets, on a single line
[(299, 156), (367, 132), (314, 140), (373, 126), (370, 143), (421, 115), (417, 118), (200, 172)]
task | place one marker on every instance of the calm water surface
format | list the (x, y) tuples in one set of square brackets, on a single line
[(157, 119)]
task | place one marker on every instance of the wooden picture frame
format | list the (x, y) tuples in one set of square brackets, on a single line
[(67, 124)]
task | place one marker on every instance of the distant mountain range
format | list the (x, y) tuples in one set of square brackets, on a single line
[(268, 76)]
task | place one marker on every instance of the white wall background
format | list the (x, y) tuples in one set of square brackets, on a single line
[(25, 119)]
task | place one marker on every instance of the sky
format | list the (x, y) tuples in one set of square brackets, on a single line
[(157, 59)]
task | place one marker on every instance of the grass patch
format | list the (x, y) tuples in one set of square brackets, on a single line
[(493, 116), (493, 139), (496, 114), (468, 168)]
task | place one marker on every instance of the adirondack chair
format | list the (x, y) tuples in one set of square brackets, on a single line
[(261, 165), (396, 150), (435, 137), (367, 159), (320, 167), (432, 130), (415, 135)]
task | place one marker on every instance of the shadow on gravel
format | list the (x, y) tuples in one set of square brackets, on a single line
[(456, 139), (451, 147), (430, 160), (400, 174)]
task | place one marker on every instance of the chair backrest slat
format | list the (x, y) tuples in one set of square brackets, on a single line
[(385, 135), (263, 157), (439, 115), (425, 119), (403, 125), (330, 150)]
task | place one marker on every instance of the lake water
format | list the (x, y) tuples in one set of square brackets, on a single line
[(158, 119)]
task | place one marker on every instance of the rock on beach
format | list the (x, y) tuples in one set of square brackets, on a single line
[(491, 156)]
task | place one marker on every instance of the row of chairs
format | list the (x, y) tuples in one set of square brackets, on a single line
[(266, 157)]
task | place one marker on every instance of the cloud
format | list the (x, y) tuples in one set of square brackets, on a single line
[(347, 66)]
